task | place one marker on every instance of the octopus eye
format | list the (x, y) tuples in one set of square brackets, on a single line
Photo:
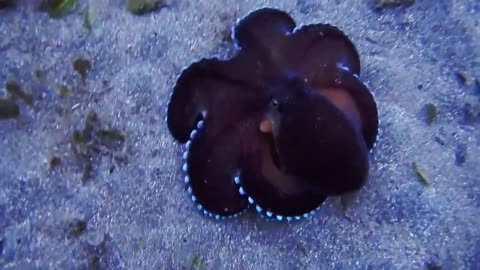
[(275, 105)]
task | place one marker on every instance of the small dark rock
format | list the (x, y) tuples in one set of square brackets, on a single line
[(371, 39), (87, 171), (82, 66), (64, 91), (94, 262), (39, 74), (53, 162), (461, 77), (461, 154), (8, 109), (431, 112), (76, 227), (110, 135), (15, 90), (432, 266), (382, 4), (440, 140)]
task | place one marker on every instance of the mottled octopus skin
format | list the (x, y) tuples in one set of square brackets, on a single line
[(319, 120)]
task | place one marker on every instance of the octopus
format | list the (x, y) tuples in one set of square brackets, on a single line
[(280, 126)]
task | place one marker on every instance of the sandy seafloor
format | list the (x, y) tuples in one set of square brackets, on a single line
[(136, 211)]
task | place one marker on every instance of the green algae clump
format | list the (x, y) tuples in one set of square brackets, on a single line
[(57, 8), (139, 7)]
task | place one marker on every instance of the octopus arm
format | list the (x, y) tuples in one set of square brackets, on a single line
[(263, 30), (271, 191), (341, 80), (313, 48), (212, 167), (203, 88), (323, 150)]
